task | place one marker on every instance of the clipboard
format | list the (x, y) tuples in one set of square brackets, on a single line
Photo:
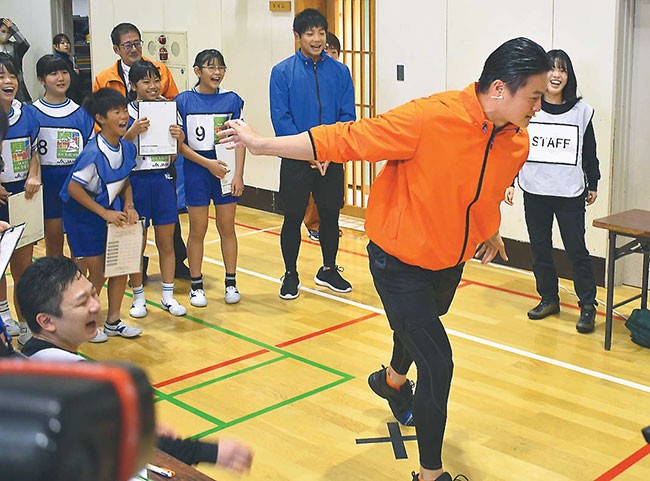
[(8, 241), (157, 140), (30, 213), (123, 254)]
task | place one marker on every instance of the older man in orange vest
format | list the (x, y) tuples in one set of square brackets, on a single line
[(127, 43)]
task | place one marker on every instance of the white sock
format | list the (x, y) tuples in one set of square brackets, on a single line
[(167, 292), (138, 295), (5, 313)]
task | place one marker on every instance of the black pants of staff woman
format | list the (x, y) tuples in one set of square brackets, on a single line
[(570, 215), (414, 299)]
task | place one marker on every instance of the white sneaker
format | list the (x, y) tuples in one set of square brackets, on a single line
[(197, 298), (99, 337), (232, 295), (121, 329), (24, 336), (174, 307), (13, 329), (138, 309)]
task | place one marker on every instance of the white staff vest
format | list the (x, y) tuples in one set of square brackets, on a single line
[(554, 165)]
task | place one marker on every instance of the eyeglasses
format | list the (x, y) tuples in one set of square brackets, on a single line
[(131, 45), (215, 68)]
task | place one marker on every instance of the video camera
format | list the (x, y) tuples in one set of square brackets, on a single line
[(73, 421)]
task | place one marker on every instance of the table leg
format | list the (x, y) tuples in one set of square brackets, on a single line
[(644, 283), (611, 259)]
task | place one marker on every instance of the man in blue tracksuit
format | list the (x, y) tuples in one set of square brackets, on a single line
[(306, 90)]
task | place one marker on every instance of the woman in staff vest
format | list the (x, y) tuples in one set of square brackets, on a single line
[(561, 176)]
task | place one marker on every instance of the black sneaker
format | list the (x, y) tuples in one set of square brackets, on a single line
[(443, 477), (332, 279), (587, 321), (544, 309), (290, 286), (400, 401)]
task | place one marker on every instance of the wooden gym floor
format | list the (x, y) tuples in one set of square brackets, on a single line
[(530, 400)]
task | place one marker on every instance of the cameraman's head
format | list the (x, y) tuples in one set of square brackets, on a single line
[(60, 305)]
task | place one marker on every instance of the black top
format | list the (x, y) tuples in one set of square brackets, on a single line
[(188, 450)]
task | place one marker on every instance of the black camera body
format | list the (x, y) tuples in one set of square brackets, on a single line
[(74, 421)]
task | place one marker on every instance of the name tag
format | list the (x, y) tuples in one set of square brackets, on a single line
[(16, 154), (59, 146), (202, 130), (153, 162), (554, 143)]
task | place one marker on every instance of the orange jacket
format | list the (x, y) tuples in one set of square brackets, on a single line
[(111, 78), (438, 196)]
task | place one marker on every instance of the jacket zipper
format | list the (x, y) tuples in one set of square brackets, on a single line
[(478, 191), (320, 106)]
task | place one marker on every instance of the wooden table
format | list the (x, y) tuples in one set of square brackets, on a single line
[(634, 224), (183, 471)]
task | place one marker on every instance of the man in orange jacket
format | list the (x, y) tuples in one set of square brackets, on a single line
[(449, 158), (127, 44)]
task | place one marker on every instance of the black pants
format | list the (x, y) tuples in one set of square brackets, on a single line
[(414, 299), (570, 215), (297, 181), (180, 251)]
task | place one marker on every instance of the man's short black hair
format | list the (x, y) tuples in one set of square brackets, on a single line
[(41, 287), (514, 62), (123, 29), (309, 18)]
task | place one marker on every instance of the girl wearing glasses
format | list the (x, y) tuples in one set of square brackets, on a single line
[(203, 109)]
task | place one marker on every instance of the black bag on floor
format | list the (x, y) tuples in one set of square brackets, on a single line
[(639, 325)]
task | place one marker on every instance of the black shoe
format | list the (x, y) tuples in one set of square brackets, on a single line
[(443, 477), (290, 286), (544, 309), (587, 321), (332, 279), (400, 400), (182, 272)]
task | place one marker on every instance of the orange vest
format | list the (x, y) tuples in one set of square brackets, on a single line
[(438, 196), (111, 78)]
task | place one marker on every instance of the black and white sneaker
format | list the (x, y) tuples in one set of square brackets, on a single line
[(290, 286), (331, 278)]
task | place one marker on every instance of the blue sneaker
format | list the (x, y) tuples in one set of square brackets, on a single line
[(399, 400)]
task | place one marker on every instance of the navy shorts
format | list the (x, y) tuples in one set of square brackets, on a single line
[(201, 186), (12, 188), (86, 230), (53, 179), (154, 196)]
